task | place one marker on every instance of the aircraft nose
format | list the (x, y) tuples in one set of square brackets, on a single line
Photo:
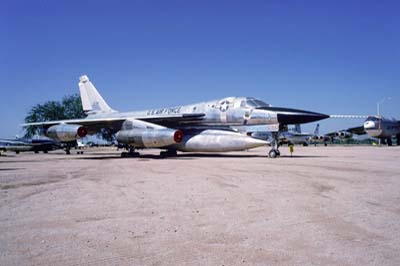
[(369, 125), (288, 116)]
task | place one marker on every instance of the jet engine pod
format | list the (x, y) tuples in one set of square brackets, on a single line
[(66, 132), (150, 138), (343, 134), (213, 140)]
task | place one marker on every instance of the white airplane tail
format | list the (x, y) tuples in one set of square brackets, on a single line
[(297, 128), (316, 131), (92, 102)]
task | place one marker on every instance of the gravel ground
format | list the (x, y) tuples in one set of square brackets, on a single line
[(323, 206)]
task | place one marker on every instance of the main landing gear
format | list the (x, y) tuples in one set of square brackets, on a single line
[(131, 153), (274, 152)]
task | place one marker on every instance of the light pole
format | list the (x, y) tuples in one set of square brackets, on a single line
[(380, 102)]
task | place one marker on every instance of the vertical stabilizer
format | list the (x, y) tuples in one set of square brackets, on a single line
[(297, 128), (92, 102), (316, 131)]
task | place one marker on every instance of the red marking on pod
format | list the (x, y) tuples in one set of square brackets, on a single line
[(178, 136), (82, 132)]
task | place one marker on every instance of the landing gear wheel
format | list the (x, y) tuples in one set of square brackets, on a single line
[(273, 153), (131, 153), (168, 153)]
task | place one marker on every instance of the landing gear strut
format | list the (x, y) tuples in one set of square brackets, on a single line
[(274, 152), (389, 141), (131, 153)]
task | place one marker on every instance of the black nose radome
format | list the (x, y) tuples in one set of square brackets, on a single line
[(288, 116)]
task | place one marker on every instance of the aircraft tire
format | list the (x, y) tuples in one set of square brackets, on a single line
[(273, 153)]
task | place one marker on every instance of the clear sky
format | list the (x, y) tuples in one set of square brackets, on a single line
[(334, 57)]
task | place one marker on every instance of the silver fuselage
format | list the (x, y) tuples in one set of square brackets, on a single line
[(231, 111), (225, 112)]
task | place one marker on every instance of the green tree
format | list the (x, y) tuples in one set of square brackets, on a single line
[(69, 107)]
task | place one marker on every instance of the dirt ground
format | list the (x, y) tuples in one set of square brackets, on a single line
[(324, 206)]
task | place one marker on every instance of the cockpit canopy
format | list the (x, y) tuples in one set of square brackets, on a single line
[(251, 102), (373, 118)]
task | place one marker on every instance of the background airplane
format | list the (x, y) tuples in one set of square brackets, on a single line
[(23, 144), (201, 127), (376, 126), (289, 136)]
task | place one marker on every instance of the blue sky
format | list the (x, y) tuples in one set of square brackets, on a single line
[(334, 57)]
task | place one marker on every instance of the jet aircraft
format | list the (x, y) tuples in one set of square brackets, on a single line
[(23, 144), (290, 136), (200, 127), (376, 126)]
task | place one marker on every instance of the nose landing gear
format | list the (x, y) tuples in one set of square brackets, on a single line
[(274, 152)]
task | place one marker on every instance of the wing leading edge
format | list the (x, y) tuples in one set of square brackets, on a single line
[(116, 122)]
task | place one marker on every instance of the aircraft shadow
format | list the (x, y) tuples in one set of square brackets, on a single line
[(303, 156), (191, 156), (11, 169)]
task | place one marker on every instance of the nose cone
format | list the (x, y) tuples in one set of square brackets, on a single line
[(288, 116), (369, 125)]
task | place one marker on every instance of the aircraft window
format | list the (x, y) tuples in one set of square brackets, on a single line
[(260, 103), (252, 102), (372, 118)]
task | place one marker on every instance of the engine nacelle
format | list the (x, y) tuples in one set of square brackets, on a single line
[(343, 134), (143, 134), (211, 140), (150, 138), (66, 132), (317, 138)]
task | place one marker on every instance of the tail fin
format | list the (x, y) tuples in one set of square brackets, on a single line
[(92, 102), (316, 131)]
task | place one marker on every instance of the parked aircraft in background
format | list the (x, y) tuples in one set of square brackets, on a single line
[(22, 144), (377, 126), (291, 136), (201, 127), (317, 138)]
